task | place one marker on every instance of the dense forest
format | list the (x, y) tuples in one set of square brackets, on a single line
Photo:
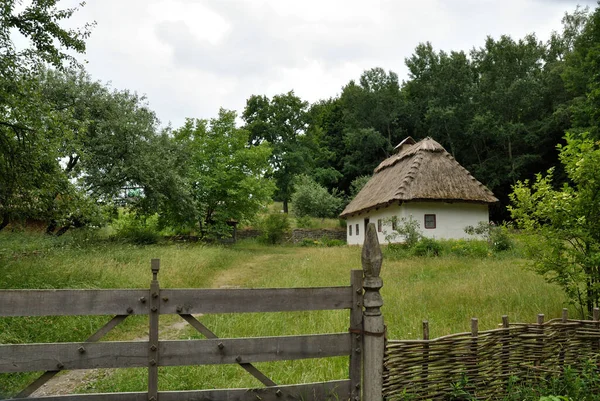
[(73, 151)]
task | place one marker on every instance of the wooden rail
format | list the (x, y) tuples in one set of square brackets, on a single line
[(363, 343)]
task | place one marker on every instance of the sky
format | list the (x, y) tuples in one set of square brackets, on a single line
[(191, 57)]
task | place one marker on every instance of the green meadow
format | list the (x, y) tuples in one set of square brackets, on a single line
[(445, 290)]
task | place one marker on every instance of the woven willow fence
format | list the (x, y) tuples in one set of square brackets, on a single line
[(427, 369)]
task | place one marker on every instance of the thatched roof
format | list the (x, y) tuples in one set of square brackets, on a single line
[(421, 171)]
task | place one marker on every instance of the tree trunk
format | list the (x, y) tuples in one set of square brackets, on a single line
[(63, 230), (4, 222), (51, 227), (285, 206)]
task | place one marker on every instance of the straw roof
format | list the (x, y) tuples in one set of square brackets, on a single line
[(421, 171)]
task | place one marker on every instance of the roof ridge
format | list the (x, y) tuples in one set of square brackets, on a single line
[(410, 176)]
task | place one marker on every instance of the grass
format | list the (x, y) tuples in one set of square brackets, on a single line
[(446, 290)]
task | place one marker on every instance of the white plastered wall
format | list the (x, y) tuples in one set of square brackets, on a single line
[(451, 219)]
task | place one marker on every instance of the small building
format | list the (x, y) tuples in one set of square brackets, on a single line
[(423, 182)]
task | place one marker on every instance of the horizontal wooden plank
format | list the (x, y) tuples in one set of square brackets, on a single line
[(324, 391), (250, 350), (192, 301), (72, 302), (131, 354), (187, 301), (67, 356), (91, 397)]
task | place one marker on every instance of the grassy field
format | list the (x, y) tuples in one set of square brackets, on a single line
[(447, 291)]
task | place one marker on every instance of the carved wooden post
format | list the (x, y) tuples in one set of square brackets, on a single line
[(374, 330)]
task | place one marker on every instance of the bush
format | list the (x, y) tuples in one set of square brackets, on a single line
[(427, 247), (311, 199), (135, 229), (305, 222), (274, 226), (496, 236), (408, 229), (468, 248)]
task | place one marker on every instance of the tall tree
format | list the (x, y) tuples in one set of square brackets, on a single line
[(226, 176), (283, 123), (581, 72), (28, 171)]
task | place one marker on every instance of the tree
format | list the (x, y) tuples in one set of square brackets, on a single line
[(311, 199), (581, 72), (28, 170), (567, 221), (226, 176), (282, 122), (106, 141)]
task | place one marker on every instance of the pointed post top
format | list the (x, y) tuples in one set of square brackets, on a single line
[(371, 253), (155, 266)]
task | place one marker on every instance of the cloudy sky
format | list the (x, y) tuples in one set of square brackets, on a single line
[(190, 57)]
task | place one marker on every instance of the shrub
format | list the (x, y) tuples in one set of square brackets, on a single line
[(305, 222), (136, 229), (407, 229), (496, 236), (468, 248), (427, 247), (274, 226), (311, 199)]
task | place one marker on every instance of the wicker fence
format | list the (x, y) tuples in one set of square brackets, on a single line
[(485, 361)]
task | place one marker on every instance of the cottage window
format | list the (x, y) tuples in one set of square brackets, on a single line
[(394, 223), (349, 229), (430, 221), (357, 229), (379, 225)]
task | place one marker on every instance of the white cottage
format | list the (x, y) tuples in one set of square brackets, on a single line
[(423, 181)]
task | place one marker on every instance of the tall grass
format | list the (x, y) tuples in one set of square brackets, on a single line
[(446, 290)]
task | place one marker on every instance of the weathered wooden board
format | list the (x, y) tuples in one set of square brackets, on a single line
[(72, 302), (250, 350), (192, 301), (326, 391), (66, 356), (187, 301), (131, 354)]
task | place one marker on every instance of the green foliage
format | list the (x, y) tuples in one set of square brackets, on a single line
[(408, 231), (305, 222), (496, 236), (311, 199), (357, 184), (282, 122), (466, 248), (224, 176), (274, 227), (30, 127), (567, 222), (135, 229), (427, 247), (322, 242)]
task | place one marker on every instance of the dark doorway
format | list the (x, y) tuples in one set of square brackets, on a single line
[(366, 224)]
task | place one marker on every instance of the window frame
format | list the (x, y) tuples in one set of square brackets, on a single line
[(379, 225), (434, 221), (357, 230), (349, 230)]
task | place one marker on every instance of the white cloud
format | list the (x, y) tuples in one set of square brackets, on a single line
[(191, 56)]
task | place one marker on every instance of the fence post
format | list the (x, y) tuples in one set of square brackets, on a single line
[(373, 328), (153, 332)]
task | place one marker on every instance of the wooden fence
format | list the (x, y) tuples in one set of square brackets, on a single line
[(359, 343), (485, 361)]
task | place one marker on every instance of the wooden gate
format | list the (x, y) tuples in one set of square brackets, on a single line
[(363, 341)]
